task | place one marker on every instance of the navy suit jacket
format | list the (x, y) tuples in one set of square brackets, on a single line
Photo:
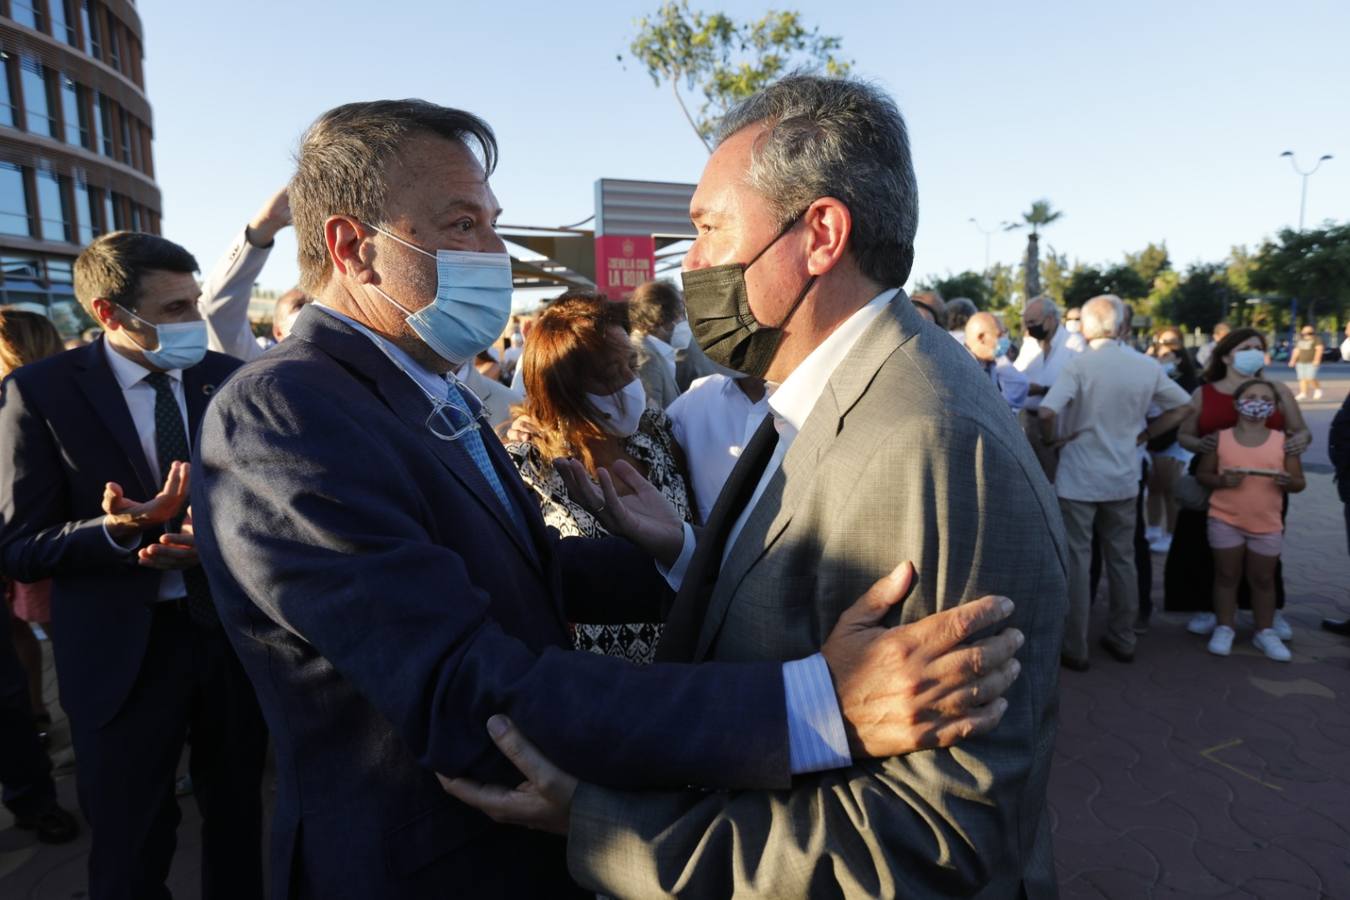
[(65, 431), (385, 606)]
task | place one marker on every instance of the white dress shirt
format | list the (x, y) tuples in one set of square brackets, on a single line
[(1041, 369), (1105, 395), (140, 400), (713, 421)]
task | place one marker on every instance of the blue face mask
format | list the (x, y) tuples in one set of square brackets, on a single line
[(472, 305), (1249, 361), (1001, 348), (181, 344)]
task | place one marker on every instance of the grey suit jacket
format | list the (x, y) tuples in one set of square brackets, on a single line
[(909, 454), (225, 295)]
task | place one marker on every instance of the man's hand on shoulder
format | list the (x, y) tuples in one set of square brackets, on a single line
[(543, 801), (919, 686)]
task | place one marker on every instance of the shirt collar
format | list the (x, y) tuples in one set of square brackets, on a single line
[(128, 372), (794, 399), (1096, 343), (660, 348), (432, 384)]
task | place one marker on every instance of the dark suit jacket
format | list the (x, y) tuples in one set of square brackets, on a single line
[(65, 430), (385, 606)]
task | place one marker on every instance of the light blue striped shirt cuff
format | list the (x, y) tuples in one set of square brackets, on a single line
[(816, 739)]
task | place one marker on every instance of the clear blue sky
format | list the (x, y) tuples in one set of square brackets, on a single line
[(1141, 121)]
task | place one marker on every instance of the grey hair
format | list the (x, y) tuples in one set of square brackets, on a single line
[(841, 138), (1102, 317), (1047, 303), (342, 165)]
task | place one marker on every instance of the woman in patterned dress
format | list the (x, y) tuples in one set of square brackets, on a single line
[(584, 400)]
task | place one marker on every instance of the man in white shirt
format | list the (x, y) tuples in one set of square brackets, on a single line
[(1073, 323), (713, 422), (959, 311), (1093, 411), (1345, 344), (654, 310), (1044, 352)]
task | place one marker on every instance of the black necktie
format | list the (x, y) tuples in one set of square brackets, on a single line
[(171, 445), (685, 620)]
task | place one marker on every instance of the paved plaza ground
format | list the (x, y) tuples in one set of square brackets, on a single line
[(1181, 775)]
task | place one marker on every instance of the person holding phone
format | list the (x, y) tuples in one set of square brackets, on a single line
[(1249, 471)]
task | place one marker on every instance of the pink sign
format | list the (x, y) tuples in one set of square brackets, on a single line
[(622, 262)]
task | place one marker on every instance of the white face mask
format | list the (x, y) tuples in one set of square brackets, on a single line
[(681, 335), (1074, 326), (621, 411)]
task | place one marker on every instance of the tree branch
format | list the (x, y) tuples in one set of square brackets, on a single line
[(675, 88)]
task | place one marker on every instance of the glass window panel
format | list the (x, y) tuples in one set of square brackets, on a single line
[(72, 109), (92, 36), (105, 117), (114, 43), (63, 22), (14, 201), (115, 212), (8, 112), (52, 208), (135, 217), (85, 212), (93, 210), (34, 79), (26, 12), (126, 138), (59, 271)]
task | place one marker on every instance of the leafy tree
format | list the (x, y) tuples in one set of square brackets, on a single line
[(1039, 216), (1087, 282), (1312, 266), (1150, 262), (725, 60), (1199, 299), (966, 284)]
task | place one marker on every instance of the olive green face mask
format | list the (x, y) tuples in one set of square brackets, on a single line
[(718, 306)]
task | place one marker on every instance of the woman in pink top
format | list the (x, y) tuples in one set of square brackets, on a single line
[(1249, 473)]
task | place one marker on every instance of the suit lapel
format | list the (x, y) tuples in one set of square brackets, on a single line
[(810, 449), (96, 380)]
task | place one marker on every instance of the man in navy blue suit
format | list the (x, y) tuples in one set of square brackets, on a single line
[(390, 586), (141, 659)]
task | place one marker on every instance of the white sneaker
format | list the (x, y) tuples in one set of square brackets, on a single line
[(1221, 642), (1162, 545), (1300, 396), (1268, 642), (1281, 627), (1202, 623), (1317, 394), (1153, 533)]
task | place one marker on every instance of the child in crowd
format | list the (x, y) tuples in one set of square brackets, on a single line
[(1249, 473)]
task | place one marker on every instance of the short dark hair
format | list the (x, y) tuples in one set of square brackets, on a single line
[(654, 305), (112, 266), (343, 160)]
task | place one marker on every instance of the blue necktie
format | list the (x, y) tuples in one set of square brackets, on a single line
[(472, 441)]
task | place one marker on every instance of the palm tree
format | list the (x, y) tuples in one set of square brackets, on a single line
[(1039, 216)]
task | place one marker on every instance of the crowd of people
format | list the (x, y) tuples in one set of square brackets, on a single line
[(762, 585)]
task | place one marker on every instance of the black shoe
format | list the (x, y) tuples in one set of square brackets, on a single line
[(52, 823), (1074, 665), (1141, 625), (1125, 656), (1337, 626)]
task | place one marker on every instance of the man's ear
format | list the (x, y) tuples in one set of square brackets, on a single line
[(348, 248), (829, 225), (105, 313)]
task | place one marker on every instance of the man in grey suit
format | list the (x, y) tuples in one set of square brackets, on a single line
[(886, 442)]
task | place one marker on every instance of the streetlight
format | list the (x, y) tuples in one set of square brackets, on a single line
[(1303, 198), (986, 242)]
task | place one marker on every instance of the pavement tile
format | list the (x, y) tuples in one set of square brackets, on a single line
[(1240, 867)]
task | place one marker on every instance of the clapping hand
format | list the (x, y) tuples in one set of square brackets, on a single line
[(175, 550), (124, 517), (641, 514)]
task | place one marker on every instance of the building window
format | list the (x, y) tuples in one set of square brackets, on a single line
[(114, 44), (113, 206), (136, 217), (52, 208), (93, 39), (33, 77), (75, 113), (104, 116), (26, 12), (86, 213), (14, 201), (8, 111), (126, 138), (60, 271), (63, 21)]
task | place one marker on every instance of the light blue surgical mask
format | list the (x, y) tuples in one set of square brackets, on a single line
[(1249, 361), (472, 305), (181, 344), (1001, 348)]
